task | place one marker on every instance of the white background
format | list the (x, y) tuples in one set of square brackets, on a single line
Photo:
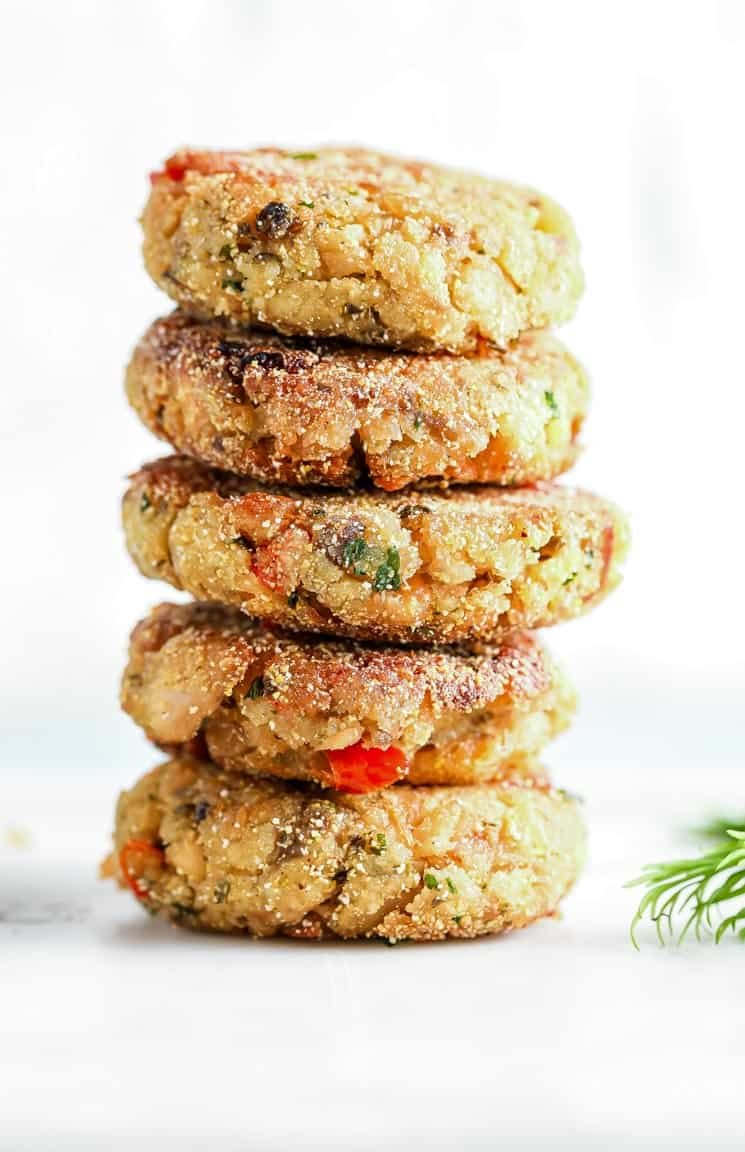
[(632, 116)]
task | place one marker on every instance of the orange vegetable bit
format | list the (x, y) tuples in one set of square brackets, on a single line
[(608, 543), (274, 564), (137, 848), (360, 769), (609, 540), (206, 163), (269, 567)]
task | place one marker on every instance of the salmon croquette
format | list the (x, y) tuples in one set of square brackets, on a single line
[(222, 852), (343, 242), (345, 715), (421, 567), (279, 410)]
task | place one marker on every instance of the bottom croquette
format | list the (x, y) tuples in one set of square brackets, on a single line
[(216, 851)]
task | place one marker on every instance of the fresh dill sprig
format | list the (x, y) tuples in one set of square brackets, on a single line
[(719, 828), (690, 891)]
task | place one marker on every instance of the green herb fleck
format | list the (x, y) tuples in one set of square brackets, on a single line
[(293, 598), (256, 688), (221, 891), (365, 559), (457, 919), (306, 204), (570, 578), (418, 421), (304, 155), (354, 551), (451, 886), (225, 252), (430, 880), (551, 402), (234, 282), (184, 910), (388, 576), (380, 844), (145, 502)]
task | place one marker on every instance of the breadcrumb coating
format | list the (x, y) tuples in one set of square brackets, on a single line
[(220, 852), (420, 567), (344, 242)]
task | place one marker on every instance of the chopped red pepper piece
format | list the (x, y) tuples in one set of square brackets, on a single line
[(606, 556), (206, 163), (360, 769), (176, 174), (141, 848), (274, 564), (609, 540), (269, 569), (176, 169), (172, 170)]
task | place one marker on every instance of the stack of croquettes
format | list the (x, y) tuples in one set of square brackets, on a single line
[(368, 411)]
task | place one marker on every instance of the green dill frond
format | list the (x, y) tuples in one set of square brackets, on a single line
[(696, 893), (719, 828)]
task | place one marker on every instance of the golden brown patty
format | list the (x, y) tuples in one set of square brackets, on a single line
[(345, 715), (215, 850), (465, 565), (373, 248), (275, 409)]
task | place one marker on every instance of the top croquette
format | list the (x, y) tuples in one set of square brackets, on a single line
[(345, 242)]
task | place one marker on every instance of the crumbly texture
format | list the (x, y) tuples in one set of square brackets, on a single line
[(463, 565), (271, 705), (277, 409), (221, 852), (344, 242)]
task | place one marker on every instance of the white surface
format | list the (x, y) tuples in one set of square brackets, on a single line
[(116, 1033)]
